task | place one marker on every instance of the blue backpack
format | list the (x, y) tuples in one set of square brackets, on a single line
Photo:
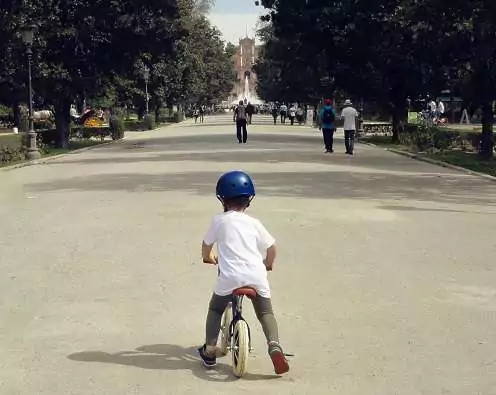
[(328, 116)]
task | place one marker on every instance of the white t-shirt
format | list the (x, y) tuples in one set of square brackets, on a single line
[(242, 243), (350, 115)]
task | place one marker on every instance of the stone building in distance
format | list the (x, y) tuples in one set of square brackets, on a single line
[(245, 58)]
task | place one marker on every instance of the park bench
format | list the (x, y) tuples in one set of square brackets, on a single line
[(376, 129)]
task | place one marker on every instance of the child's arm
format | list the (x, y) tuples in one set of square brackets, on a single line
[(271, 256), (207, 255)]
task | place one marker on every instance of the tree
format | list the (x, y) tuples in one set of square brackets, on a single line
[(81, 46), (464, 33)]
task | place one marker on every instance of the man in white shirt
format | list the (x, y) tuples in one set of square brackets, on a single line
[(350, 115), (440, 109)]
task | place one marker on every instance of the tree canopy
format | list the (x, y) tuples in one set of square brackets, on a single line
[(99, 48), (380, 50)]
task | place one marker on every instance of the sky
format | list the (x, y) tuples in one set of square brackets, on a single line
[(235, 17)]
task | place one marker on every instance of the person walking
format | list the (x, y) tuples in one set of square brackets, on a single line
[(240, 119), (350, 115), (327, 118), (202, 113), (250, 110), (299, 115), (283, 110), (292, 114), (274, 114), (196, 113)]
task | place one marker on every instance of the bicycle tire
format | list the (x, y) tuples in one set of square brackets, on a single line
[(225, 336), (240, 348)]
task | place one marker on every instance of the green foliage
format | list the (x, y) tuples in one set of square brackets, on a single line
[(11, 148), (97, 50), (430, 138), (382, 51), (178, 116), (149, 122), (133, 125), (117, 127)]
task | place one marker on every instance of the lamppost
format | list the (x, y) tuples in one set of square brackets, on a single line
[(146, 76), (27, 38)]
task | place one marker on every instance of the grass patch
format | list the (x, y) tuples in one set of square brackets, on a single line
[(467, 160), (73, 145), (52, 151), (382, 141)]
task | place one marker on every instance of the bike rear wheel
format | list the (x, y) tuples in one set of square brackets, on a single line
[(240, 347), (225, 338)]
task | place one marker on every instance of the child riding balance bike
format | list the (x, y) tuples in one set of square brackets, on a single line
[(246, 251)]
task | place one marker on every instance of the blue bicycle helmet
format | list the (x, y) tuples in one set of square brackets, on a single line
[(235, 184)]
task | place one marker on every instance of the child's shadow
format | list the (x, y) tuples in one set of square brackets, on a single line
[(166, 357)]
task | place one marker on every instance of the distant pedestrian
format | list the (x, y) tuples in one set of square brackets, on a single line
[(350, 115), (327, 118), (275, 114), (250, 110), (196, 113), (299, 115), (292, 114), (240, 119), (283, 111), (202, 113)]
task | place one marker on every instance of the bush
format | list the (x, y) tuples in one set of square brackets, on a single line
[(149, 122), (117, 127), (82, 132), (12, 148), (432, 138), (164, 115), (133, 125), (178, 116)]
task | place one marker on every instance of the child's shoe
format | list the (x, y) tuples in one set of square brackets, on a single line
[(278, 358), (209, 360)]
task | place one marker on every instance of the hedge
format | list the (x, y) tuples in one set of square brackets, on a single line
[(11, 148), (425, 138)]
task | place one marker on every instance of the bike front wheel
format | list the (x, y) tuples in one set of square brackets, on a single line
[(240, 347)]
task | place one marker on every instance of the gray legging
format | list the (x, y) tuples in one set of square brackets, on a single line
[(263, 310)]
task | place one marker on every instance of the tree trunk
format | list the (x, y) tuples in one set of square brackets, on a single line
[(400, 119), (487, 143), (157, 113), (16, 112), (62, 122)]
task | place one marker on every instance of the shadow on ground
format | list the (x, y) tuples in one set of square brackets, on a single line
[(325, 184), (229, 122), (226, 139), (167, 357), (261, 148)]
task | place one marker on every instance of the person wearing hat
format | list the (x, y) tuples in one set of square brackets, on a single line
[(350, 115), (327, 118)]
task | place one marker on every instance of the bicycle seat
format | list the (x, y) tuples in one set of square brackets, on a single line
[(246, 291)]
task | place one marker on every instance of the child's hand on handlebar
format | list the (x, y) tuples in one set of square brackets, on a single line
[(212, 260)]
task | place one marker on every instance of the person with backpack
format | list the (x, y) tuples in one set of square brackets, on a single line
[(240, 119), (327, 118)]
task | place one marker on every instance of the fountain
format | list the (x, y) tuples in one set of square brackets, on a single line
[(247, 96)]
